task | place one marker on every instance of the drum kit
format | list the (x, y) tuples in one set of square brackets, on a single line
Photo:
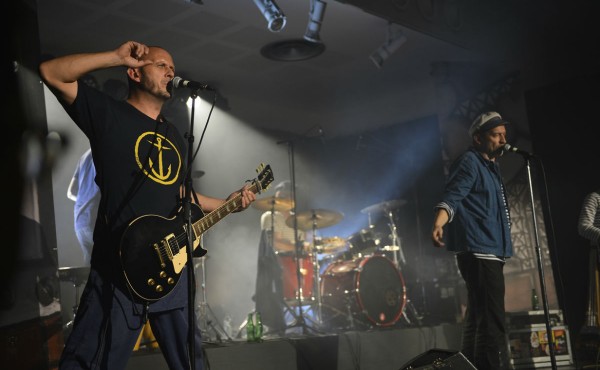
[(351, 282)]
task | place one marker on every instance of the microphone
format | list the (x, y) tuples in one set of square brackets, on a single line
[(195, 86), (514, 149)]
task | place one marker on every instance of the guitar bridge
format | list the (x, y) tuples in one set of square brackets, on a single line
[(159, 254)]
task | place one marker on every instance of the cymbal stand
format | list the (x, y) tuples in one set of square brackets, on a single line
[(299, 294), (396, 244), (298, 312), (399, 257), (315, 262), (76, 285), (203, 308), (371, 225)]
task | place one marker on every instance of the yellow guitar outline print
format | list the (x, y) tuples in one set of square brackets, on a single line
[(156, 171)]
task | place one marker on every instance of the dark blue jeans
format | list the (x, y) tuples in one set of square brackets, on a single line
[(484, 332)]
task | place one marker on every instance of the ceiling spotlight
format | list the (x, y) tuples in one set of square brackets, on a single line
[(395, 39), (272, 13), (315, 18)]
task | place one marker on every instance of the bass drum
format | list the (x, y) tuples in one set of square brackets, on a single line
[(361, 293)]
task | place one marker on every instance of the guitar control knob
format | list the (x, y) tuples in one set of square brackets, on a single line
[(159, 288), (163, 274), (170, 281), (151, 282)]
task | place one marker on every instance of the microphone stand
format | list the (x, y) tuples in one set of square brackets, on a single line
[(299, 292), (187, 214), (549, 332)]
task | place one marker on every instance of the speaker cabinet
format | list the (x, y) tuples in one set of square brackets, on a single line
[(436, 359), (33, 344)]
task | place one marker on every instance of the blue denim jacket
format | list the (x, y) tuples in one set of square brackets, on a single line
[(474, 198)]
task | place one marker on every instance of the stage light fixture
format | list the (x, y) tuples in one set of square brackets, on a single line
[(395, 39), (315, 19), (274, 16)]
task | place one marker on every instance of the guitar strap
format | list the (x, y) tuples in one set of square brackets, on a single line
[(107, 223)]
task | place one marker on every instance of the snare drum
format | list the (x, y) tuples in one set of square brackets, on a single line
[(290, 278), (366, 291)]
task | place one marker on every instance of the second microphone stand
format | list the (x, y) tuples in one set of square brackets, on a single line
[(540, 266)]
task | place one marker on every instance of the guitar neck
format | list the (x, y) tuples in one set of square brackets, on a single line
[(221, 212)]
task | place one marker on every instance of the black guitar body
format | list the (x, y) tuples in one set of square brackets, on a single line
[(153, 253), (153, 249)]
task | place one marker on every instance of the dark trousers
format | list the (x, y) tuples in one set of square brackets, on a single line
[(484, 332), (107, 326)]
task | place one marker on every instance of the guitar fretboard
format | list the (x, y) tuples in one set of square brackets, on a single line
[(219, 213)]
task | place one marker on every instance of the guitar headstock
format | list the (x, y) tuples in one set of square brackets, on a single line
[(264, 178)]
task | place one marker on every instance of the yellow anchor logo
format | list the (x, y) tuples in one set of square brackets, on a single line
[(168, 155)]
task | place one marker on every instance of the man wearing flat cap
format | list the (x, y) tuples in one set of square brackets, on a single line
[(475, 214)]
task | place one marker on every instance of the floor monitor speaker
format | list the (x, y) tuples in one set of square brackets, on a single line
[(436, 359)]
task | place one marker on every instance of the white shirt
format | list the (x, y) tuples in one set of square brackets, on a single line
[(86, 194)]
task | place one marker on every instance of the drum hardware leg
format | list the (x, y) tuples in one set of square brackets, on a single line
[(351, 323), (406, 317), (413, 312), (69, 325), (288, 309), (310, 318), (203, 309), (301, 320), (339, 318)]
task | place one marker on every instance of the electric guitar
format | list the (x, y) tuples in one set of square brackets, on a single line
[(153, 249)]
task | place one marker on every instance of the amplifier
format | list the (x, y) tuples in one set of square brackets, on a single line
[(525, 319), (529, 347)]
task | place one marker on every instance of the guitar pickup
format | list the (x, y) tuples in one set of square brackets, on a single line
[(167, 245)]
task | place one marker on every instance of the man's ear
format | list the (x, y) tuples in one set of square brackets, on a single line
[(133, 74)]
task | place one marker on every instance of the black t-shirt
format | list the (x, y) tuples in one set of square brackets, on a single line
[(139, 167)]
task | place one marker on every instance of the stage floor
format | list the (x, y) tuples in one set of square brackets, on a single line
[(378, 349)]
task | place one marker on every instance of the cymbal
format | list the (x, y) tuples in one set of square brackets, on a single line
[(315, 218), (384, 206), (76, 275), (273, 203), (332, 244)]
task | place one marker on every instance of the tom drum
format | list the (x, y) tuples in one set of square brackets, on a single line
[(362, 243)]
